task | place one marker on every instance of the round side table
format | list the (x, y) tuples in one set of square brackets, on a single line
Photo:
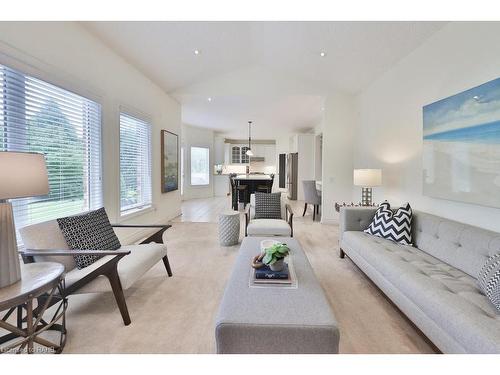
[(229, 228), (39, 289)]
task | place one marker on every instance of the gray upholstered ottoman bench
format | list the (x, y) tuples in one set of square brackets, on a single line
[(275, 319)]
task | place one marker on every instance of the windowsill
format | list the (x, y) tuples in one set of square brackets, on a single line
[(129, 214)]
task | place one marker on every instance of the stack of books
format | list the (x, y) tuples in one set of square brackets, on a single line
[(265, 275)]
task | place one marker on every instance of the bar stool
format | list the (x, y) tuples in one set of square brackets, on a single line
[(263, 188), (237, 191), (242, 190), (268, 187)]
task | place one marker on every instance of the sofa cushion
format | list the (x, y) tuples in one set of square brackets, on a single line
[(130, 268), (489, 280), (268, 227), (89, 231), (460, 245), (448, 296), (47, 235), (267, 205), (394, 226)]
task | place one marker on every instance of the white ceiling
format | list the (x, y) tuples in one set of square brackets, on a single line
[(272, 116), (357, 53)]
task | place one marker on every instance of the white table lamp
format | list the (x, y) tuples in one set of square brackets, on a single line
[(22, 175), (367, 178)]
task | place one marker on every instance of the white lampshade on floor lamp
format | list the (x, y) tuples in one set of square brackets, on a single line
[(22, 175), (367, 178)]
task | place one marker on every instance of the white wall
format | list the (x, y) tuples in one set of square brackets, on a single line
[(219, 150), (305, 144), (318, 149), (337, 160), (389, 136), (197, 137), (65, 54)]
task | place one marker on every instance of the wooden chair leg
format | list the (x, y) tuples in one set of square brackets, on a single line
[(167, 266), (305, 209), (116, 285)]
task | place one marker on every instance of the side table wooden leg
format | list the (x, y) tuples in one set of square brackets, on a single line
[(29, 324)]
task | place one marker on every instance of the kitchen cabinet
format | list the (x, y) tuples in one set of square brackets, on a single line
[(221, 185)]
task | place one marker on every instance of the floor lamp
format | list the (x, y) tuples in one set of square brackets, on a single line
[(22, 175), (367, 178)]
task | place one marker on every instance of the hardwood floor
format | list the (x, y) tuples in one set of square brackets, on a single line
[(176, 314), (369, 322), (203, 210), (206, 210)]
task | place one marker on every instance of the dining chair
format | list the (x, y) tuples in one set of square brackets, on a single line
[(311, 196)]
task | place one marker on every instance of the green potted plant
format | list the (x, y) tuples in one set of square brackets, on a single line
[(274, 256)]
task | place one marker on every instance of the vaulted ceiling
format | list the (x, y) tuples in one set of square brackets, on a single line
[(356, 53)]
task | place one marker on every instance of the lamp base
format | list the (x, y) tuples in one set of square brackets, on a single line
[(366, 196), (10, 270)]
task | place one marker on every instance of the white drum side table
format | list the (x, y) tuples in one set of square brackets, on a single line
[(229, 228)]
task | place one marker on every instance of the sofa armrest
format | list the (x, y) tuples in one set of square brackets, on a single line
[(29, 254), (289, 217), (156, 237), (355, 218), (164, 226), (45, 252)]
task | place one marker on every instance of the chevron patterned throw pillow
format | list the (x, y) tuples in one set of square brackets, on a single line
[(489, 279), (394, 226)]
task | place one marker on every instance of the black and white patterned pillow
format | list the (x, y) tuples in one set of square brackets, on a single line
[(90, 231), (267, 205), (489, 280), (394, 226)]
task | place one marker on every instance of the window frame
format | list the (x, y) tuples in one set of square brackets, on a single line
[(32, 71), (131, 112), (191, 166)]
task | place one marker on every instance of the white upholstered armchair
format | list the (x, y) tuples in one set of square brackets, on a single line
[(269, 227), (115, 271)]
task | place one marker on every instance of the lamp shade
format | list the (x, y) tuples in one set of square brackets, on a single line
[(23, 174), (367, 177)]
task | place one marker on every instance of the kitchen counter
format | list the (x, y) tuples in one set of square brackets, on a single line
[(253, 177)]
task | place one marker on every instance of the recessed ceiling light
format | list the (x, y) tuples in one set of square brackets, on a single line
[(322, 53), (196, 51), (209, 99)]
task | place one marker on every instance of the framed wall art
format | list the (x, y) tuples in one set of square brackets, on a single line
[(169, 161)]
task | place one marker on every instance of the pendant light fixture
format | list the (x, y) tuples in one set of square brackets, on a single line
[(249, 151)]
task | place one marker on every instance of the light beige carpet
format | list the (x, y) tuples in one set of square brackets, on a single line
[(176, 315)]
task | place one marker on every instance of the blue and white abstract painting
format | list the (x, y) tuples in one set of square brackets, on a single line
[(461, 150)]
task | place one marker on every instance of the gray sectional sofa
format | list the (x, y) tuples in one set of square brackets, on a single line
[(434, 282)]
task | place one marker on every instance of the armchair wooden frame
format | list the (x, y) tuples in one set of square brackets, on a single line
[(288, 213), (108, 269)]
